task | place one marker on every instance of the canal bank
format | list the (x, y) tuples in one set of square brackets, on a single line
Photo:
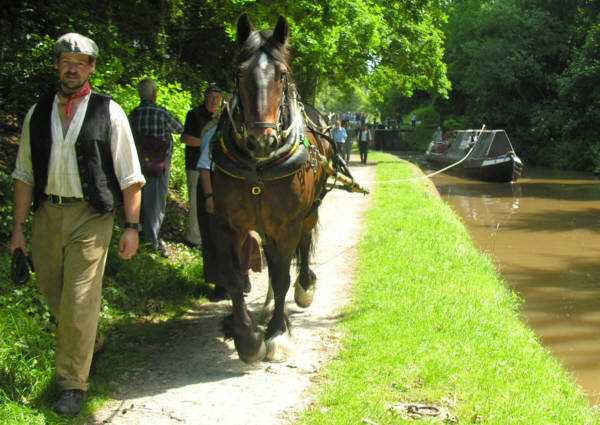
[(431, 324), (544, 235)]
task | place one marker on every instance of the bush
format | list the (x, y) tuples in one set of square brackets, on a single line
[(6, 207), (454, 124), (569, 155), (427, 115), (26, 346)]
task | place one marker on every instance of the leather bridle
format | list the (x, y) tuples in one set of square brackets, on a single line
[(287, 100)]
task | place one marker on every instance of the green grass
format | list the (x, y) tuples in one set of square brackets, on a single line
[(431, 323)]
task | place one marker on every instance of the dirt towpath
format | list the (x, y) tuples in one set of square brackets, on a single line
[(196, 378)]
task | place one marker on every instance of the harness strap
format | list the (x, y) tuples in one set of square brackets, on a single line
[(256, 192)]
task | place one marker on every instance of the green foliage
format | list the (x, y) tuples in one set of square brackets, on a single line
[(6, 207), (528, 67), (164, 283), (25, 70), (333, 99), (395, 104), (572, 154), (419, 138), (579, 93), (26, 346), (453, 124), (427, 115), (371, 45)]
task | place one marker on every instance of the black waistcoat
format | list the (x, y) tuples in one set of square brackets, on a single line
[(94, 158)]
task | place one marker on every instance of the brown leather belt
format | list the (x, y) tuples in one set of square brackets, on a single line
[(57, 199)]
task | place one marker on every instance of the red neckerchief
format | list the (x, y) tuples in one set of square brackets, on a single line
[(84, 90)]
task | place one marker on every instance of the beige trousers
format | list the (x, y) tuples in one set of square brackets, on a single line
[(69, 247)]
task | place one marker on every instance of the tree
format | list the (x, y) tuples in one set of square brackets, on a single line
[(579, 94), (505, 57), (367, 46)]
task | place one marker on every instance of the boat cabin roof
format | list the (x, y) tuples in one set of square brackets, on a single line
[(489, 144)]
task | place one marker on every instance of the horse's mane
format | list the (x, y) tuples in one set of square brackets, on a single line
[(263, 40)]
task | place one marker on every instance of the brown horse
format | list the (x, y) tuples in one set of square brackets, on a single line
[(268, 178)]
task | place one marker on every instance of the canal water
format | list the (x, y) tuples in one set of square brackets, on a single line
[(544, 233)]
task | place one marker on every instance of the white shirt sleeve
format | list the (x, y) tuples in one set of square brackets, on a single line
[(23, 167), (125, 158)]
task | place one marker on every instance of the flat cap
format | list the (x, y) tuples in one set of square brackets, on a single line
[(75, 43), (214, 88)]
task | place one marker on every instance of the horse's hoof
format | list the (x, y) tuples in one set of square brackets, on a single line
[(256, 357), (279, 348), (304, 297)]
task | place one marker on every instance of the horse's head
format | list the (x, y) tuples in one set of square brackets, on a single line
[(263, 88)]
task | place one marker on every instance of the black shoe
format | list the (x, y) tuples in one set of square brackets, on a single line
[(69, 403)]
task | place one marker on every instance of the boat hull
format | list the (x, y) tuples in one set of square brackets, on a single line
[(505, 168)]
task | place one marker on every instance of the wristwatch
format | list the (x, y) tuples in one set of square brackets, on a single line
[(135, 226), (207, 195)]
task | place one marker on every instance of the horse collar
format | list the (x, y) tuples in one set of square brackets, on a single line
[(231, 160)]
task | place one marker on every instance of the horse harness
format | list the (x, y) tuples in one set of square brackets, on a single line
[(288, 159)]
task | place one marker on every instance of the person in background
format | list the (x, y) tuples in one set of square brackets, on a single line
[(472, 140), (195, 121), (340, 136), (413, 120), (199, 122), (149, 119), (348, 145), (250, 255), (437, 135), (76, 163), (364, 137)]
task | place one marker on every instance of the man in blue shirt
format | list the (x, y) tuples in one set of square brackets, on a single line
[(251, 255), (339, 137)]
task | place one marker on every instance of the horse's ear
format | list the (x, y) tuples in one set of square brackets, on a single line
[(282, 30), (244, 28)]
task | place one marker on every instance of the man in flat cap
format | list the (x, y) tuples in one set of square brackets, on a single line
[(76, 163), (195, 121)]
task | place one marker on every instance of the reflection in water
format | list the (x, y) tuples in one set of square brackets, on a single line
[(544, 232)]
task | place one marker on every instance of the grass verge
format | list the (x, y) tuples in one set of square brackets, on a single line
[(431, 323)]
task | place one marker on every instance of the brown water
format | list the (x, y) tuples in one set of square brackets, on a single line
[(544, 232)]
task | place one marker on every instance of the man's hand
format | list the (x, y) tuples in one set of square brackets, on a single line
[(128, 244), (17, 240)]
